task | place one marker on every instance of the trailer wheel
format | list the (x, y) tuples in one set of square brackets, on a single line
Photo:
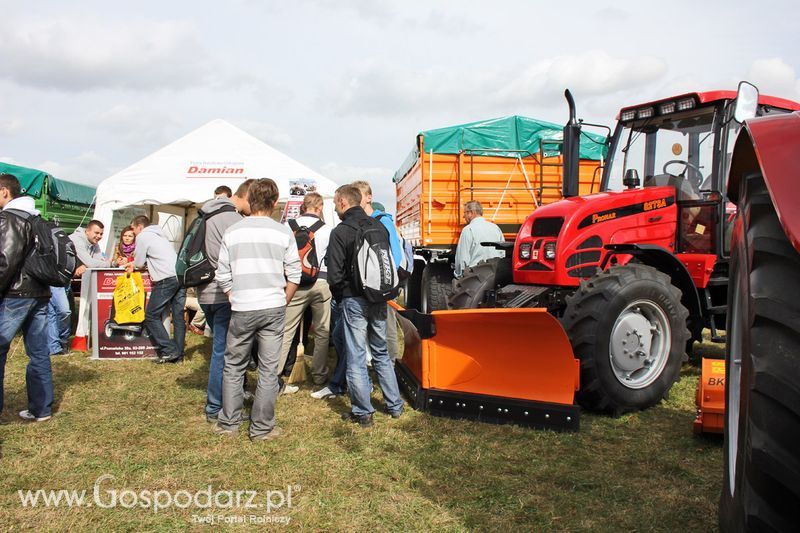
[(437, 281), (470, 289), (761, 483), (628, 328)]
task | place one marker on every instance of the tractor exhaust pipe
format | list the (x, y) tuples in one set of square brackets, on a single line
[(571, 151)]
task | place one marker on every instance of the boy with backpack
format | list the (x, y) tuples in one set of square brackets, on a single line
[(23, 300), (312, 236), (362, 278)]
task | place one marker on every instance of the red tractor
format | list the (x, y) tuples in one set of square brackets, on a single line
[(633, 274)]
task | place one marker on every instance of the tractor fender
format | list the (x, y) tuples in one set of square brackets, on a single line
[(768, 145), (663, 260)]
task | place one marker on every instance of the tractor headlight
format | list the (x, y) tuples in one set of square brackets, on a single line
[(645, 112), (666, 108), (525, 250), (627, 115), (686, 103), (550, 251)]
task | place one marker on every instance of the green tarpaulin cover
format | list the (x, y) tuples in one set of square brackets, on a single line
[(33, 182), (506, 137)]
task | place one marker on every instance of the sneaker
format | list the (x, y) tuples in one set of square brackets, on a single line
[(394, 414), (197, 331), (219, 430), (212, 419), (365, 421), (30, 417), (62, 353), (248, 396), (290, 389), (323, 393), (276, 432), (161, 359)]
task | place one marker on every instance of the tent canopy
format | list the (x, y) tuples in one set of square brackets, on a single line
[(33, 183), (509, 136), (186, 172)]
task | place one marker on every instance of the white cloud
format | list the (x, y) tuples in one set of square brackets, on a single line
[(383, 90), (89, 168), (269, 133), (775, 77), (80, 53), (136, 126), (380, 178), (10, 125)]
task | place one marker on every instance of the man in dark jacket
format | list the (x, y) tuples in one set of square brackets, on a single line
[(363, 321), (23, 301)]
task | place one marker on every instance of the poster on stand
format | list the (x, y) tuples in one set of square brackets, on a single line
[(110, 339), (297, 192)]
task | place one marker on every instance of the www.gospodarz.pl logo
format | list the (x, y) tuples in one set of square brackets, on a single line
[(105, 496)]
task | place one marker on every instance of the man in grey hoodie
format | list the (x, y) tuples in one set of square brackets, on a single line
[(154, 250), (213, 300), (59, 324)]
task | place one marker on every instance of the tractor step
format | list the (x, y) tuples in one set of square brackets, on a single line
[(720, 339)]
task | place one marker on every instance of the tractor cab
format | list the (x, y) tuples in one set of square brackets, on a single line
[(686, 143)]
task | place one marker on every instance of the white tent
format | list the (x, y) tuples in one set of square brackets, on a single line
[(170, 184)]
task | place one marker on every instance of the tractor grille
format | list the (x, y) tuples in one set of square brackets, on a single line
[(591, 242), (547, 226)]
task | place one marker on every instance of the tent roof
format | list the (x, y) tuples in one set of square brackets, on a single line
[(188, 170), (505, 137), (32, 182)]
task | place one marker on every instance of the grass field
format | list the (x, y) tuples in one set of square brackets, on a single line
[(143, 424)]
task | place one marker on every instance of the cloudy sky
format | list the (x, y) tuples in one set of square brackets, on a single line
[(88, 88)]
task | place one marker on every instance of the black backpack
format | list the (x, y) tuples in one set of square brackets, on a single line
[(307, 249), (52, 259), (193, 267), (374, 272)]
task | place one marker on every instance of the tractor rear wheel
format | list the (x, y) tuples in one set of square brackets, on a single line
[(628, 328), (761, 480), (437, 279), (470, 289)]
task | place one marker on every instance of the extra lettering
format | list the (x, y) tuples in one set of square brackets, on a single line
[(655, 204)]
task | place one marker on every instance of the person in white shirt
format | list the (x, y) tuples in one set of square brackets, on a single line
[(470, 251), (259, 269), (316, 295)]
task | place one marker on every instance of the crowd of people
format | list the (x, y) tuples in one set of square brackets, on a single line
[(253, 307)]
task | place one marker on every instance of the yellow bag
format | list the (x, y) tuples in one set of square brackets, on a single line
[(129, 299)]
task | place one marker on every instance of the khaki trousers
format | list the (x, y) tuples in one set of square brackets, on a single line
[(318, 297)]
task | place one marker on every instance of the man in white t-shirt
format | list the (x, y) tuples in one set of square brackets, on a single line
[(316, 294)]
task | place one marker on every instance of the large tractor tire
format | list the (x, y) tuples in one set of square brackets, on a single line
[(628, 328), (469, 290), (761, 484), (437, 279)]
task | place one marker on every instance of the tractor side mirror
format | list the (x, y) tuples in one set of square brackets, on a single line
[(746, 102), (631, 179)]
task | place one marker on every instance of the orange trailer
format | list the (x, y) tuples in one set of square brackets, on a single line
[(512, 165)]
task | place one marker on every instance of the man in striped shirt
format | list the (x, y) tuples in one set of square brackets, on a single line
[(259, 270)]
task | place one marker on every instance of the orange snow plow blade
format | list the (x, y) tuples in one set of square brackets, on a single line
[(495, 365), (710, 397)]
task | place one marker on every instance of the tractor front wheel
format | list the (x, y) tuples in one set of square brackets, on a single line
[(470, 289), (628, 328)]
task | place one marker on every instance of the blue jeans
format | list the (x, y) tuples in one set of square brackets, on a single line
[(58, 320), (30, 316), (166, 295), (363, 323), (218, 317)]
